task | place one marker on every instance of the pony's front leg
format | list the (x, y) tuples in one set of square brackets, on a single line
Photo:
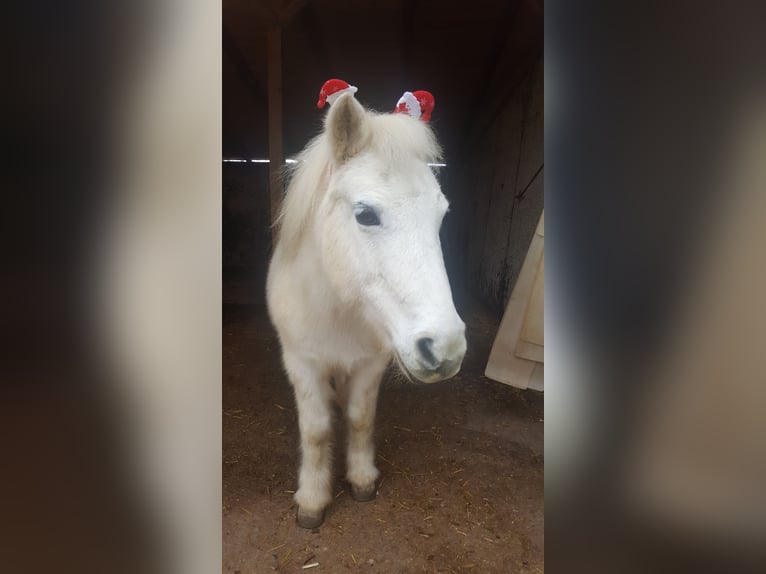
[(360, 416), (313, 397)]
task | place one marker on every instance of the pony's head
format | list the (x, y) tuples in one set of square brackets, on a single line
[(377, 228)]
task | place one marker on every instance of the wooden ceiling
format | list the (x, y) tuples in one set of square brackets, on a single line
[(469, 54)]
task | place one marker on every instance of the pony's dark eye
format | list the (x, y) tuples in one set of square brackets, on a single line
[(366, 216)]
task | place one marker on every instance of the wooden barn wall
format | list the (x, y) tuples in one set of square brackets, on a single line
[(502, 193), (246, 232)]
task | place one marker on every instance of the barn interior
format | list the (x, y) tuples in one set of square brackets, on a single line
[(462, 460)]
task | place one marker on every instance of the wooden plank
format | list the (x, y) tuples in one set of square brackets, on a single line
[(530, 351), (275, 122), (537, 378), (504, 365), (531, 344), (532, 331)]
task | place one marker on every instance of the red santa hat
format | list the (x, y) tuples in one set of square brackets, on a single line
[(332, 90), (418, 104)]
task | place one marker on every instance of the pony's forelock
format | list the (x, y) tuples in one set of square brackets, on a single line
[(398, 138)]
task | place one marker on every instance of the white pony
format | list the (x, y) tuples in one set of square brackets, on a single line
[(357, 279)]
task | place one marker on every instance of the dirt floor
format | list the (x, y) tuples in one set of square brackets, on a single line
[(461, 463)]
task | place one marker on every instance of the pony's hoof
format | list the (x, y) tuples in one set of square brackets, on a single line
[(364, 494), (309, 520)]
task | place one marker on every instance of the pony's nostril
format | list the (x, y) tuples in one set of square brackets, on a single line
[(425, 348)]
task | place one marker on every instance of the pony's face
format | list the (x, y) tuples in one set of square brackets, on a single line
[(379, 235)]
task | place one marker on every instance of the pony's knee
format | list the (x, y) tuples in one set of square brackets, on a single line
[(361, 420), (317, 438), (316, 431)]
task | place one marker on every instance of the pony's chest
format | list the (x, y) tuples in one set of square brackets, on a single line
[(313, 323), (343, 343)]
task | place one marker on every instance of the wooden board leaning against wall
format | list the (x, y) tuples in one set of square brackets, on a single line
[(518, 350)]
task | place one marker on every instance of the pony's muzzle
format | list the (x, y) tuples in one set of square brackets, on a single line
[(439, 358)]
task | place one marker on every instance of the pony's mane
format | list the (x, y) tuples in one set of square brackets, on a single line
[(395, 138)]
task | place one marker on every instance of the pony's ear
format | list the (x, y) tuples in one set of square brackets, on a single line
[(347, 127)]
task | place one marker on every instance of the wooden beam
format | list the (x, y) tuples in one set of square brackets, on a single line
[(279, 12), (275, 123)]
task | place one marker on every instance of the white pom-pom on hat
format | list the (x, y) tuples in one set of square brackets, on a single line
[(418, 104), (332, 90), (408, 104)]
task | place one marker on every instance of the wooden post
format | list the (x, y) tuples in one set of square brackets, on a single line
[(275, 123)]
